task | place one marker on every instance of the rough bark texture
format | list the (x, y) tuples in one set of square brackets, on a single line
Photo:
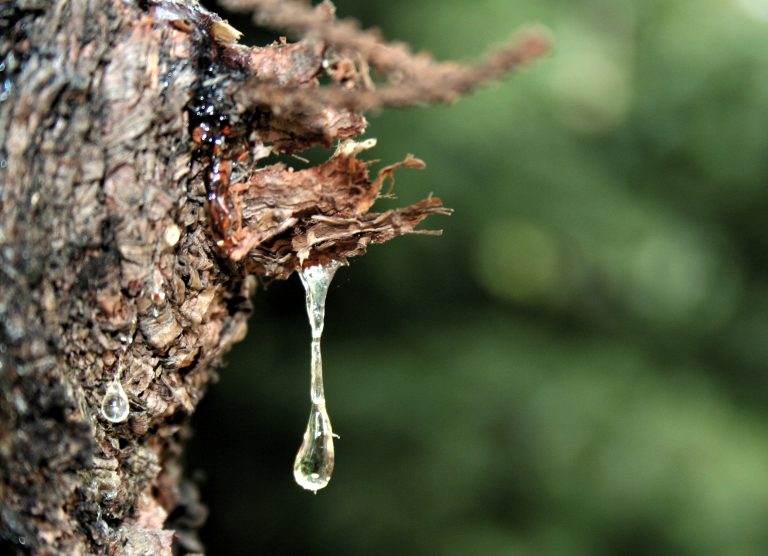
[(137, 204)]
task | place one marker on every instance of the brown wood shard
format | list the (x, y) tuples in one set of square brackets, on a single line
[(320, 212)]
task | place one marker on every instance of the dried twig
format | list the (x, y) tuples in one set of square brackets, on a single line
[(410, 78), (436, 84), (319, 23)]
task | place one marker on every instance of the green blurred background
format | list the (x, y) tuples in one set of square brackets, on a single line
[(578, 366)]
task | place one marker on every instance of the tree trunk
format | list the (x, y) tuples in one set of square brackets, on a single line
[(138, 204)]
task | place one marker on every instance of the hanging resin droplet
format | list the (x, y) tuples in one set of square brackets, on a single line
[(114, 405), (314, 462)]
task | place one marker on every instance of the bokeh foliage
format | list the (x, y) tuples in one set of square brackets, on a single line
[(578, 366)]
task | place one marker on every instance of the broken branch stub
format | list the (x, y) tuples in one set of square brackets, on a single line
[(253, 102)]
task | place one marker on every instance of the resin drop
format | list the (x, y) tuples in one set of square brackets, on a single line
[(114, 406), (314, 461)]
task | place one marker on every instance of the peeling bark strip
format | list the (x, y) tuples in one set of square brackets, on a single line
[(137, 202)]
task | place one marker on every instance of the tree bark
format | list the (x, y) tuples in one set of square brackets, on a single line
[(138, 204)]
